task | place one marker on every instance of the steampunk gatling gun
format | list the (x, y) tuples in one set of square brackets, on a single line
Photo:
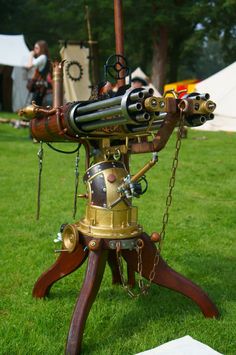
[(112, 127)]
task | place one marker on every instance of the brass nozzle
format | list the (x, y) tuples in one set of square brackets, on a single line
[(207, 106), (153, 104), (28, 112)]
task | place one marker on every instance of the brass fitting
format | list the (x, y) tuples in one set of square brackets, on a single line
[(152, 104), (70, 237), (93, 245), (28, 112)]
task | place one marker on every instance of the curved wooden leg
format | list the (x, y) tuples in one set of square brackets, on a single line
[(64, 265), (95, 270), (112, 261), (131, 276), (167, 277)]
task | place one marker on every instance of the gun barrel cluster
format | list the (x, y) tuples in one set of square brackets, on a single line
[(137, 111), (120, 110)]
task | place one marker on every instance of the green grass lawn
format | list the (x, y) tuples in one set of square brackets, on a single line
[(200, 244)]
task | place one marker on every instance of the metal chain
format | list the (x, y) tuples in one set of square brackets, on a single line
[(144, 287), (40, 157), (168, 198), (125, 285), (77, 159)]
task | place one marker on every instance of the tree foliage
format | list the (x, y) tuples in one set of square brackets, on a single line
[(177, 39)]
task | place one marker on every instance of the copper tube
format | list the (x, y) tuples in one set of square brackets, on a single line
[(144, 169), (161, 137), (119, 33)]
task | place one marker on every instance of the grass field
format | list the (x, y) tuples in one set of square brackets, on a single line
[(200, 244)]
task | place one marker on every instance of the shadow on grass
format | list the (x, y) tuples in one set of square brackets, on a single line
[(159, 306), (162, 304)]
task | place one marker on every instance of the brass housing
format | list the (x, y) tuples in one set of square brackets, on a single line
[(110, 223), (70, 238), (107, 214)]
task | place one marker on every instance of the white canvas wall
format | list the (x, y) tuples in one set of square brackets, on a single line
[(222, 89)]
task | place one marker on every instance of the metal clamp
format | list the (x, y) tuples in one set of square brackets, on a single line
[(129, 244)]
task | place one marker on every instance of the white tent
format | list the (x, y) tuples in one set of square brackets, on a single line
[(140, 74), (222, 89), (20, 95), (14, 52)]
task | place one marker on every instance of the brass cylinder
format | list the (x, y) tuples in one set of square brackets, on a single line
[(57, 84)]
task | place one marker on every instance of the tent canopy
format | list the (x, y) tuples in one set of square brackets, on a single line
[(13, 50), (140, 74), (222, 89)]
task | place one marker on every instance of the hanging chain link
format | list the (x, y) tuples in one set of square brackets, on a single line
[(77, 159), (145, 287), (40, 157), (172, 180), (125, 285)]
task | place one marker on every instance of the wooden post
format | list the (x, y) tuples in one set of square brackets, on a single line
[(91, 44), (119, 33)]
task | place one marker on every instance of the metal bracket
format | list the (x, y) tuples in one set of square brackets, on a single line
[(129, 244)]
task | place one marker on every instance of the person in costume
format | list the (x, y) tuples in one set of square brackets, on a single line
[(40, 84)]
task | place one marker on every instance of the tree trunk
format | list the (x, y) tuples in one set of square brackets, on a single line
[(174, 60), (160, 48)]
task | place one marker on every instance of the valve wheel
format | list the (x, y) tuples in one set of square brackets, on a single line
[(117, 66)]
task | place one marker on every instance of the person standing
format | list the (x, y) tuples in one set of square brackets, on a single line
[(40, 84)]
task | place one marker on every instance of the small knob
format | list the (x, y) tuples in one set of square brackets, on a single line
[(93, 245), (155, 237), (111, 178)]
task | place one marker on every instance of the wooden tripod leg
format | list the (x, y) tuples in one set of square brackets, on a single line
[(112, 261), (167, 277), (95, 270), (64, 265)]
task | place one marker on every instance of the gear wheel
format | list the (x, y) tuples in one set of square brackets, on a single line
[(74, 70)]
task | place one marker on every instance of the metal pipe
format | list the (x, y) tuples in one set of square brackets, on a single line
[(142, 117), (202, 96), (136, 95), (210, 116), (106, 123), (99, 114), (141, 94), (99, 105), (147, 92), (195, 121), (135, 107), (154, 126)]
